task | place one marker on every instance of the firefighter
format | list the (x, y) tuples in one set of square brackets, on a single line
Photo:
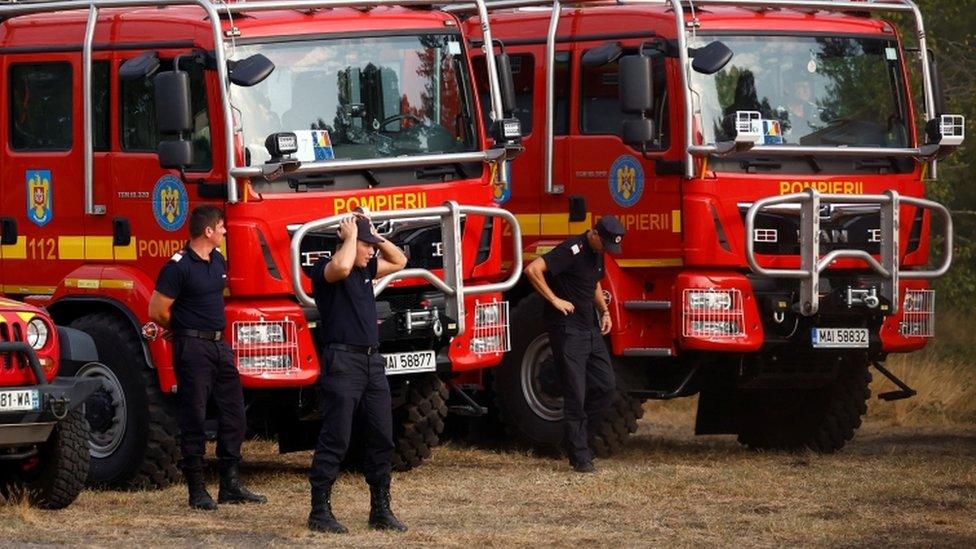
[(353, 378), (568, 278), (189, 300)]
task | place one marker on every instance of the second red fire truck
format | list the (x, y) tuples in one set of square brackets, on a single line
[(769, 164)]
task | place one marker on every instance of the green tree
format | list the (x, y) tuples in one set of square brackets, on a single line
[(951, 33)]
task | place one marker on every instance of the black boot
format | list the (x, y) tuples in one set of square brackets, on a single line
[(231, 490), (199, 497), (321, 518), (381, 517)]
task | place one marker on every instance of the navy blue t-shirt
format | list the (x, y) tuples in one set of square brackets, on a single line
[(347, 307), (197, 286), (572, 270)]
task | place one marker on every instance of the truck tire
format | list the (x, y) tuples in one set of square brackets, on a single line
[(528, 399), (419, 422), (58, 475), (618, 424), (822, 420), (133, 425)]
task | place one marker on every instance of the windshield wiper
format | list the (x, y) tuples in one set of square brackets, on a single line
[(321, 180), (751, 165), (439, 172), (880, 164), (462, 170)]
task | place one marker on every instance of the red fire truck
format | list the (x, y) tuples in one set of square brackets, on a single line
[(120, 116), (769, 165)]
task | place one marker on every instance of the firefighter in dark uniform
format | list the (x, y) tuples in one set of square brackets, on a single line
[(568, 278), (353, 377), (189, 300)]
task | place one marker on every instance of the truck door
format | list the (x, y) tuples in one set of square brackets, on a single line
[(154, 202), (539, 215), (42, 176), (619, 179)]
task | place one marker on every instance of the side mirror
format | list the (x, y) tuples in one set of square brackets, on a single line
[(604, 54), (639, 133), (577, 208), (636, 87), (175, 154), (251, 71), (711, 58), (171, 93), (506, 83), (141, 66)]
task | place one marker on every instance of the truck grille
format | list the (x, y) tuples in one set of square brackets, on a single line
[(420, 239), (778, 234), (11, 331)]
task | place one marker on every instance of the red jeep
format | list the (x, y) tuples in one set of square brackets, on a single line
[(43, 430)]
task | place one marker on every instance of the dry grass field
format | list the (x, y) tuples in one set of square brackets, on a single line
[(908, 478)]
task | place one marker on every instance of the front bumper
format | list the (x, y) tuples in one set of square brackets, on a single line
[(56, 399)]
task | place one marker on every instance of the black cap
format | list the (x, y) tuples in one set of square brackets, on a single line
[(364, 231), (611, 233)]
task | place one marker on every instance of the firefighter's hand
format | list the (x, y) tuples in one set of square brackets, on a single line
[(605, 323), (152, 331), (347, 229), (563, 306)]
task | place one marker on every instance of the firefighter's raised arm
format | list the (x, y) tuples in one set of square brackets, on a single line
[(392, 258), (345, 256)]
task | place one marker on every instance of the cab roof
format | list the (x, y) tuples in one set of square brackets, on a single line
[(135, 26), (609, 18)]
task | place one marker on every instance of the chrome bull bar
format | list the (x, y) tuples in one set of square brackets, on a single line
[(452, 283), (812, 264)]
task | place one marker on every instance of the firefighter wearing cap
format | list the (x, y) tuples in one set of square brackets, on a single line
[(189, 300), (353, 377), (576, 316)]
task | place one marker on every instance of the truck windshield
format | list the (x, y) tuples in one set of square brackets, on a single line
[(359, 98), (809, 90)]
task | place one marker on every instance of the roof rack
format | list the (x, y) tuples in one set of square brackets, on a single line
[(213, 10)]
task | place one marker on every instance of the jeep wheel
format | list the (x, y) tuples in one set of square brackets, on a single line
[(55, 477), (133, 427), (528, 397), (419, 422), (822, 420)]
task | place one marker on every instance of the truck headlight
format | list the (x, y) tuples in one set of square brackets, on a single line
[(260, 333), (709, 300), (488, 315), (37, 333), (715, 313)]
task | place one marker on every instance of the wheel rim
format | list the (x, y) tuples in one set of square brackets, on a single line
[(105, 411), (535, 360)]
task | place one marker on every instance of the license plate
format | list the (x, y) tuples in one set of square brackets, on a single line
[(20, 401), (839, 338), (408, 363)]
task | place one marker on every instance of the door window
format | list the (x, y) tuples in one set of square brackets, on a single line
[(600, 112), (40, 107), (138, 121)]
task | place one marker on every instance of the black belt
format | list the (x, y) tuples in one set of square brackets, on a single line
[(199, 334), (359, 349)]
